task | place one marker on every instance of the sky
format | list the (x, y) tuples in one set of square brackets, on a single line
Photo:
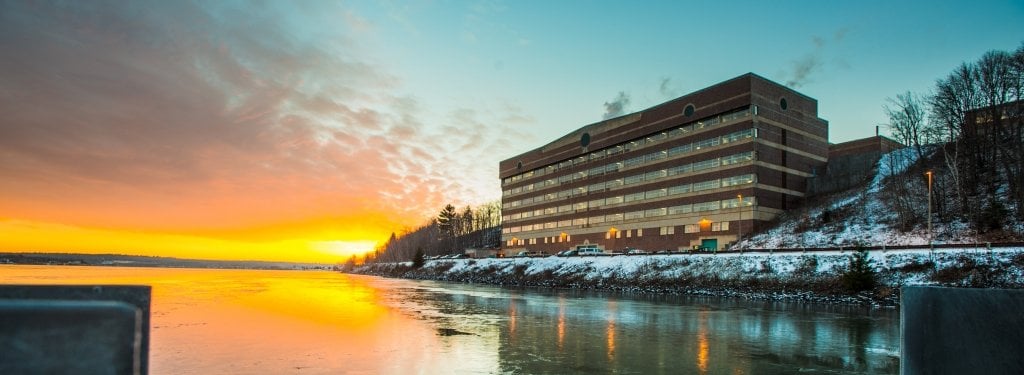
[(311, 130)]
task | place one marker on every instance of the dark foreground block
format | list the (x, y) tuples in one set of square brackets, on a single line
[(134, 297), (961, 331), (69, 337)]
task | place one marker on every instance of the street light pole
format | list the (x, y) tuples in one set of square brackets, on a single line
[(739, 201), (930, 236)]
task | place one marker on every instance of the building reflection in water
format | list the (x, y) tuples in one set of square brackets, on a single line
[(702, 342), (561, 323), (563, 331), (512, 319), (610, 329)]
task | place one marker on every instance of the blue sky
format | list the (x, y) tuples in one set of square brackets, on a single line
[(225, 117), (558, 62)]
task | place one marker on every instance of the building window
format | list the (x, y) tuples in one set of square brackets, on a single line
[(629, 233), (664, 231), (640, 232), (655, 193), (613, 200), (585, 140), (691, 228), (783, 104), (654, 212), (634, 197), (681, 209), (688, 111)]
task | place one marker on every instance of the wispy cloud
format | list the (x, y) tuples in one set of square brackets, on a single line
[(616, 107), (802, 71), (121, 115)]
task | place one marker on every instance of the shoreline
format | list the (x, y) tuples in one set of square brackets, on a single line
[(794, 277)]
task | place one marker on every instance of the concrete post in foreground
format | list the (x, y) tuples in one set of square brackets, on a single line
[(74, 329), (961, 331)]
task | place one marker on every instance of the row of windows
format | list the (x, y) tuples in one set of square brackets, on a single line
[(637, 161), (630, 146), (628, 233), (635, 197), (635, 179), (533, 241), (632, 215)]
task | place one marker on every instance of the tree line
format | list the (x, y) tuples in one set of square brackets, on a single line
[(450, 232), (968, 133)]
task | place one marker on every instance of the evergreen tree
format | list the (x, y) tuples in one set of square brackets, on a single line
[(417, 260), (860, 274)]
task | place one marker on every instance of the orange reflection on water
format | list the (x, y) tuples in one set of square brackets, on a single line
[(702, 343), (610, 329), (512, 318), (561, 323), (244, 321)]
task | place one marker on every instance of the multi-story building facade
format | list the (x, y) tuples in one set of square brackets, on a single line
[(697, 171)]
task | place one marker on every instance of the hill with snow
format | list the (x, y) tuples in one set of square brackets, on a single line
[(862, 216)]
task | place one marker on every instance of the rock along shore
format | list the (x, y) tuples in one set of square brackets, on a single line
[(810, 277)]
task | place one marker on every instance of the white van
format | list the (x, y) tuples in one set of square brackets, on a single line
[(584, 250)]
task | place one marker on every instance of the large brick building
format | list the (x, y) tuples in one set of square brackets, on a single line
[(700, 170)]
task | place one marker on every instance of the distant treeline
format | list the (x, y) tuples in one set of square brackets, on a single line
[(968, 133), (452, 231), (116, 260)]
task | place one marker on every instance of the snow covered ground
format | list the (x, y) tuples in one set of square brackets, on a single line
[(810, 275)]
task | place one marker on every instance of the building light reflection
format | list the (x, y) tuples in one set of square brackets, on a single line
[(561, 323), (512, 319), (702, 343), (610, 329)]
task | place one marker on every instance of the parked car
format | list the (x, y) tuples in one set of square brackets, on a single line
[(530, 254), (637, 252), (568, 253)]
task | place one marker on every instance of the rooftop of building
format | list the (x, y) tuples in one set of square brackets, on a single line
[(748, 82)]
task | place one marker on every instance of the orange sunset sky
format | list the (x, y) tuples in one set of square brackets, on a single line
[(217, 131)]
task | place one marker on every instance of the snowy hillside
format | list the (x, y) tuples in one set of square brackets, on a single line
[(859, 217)]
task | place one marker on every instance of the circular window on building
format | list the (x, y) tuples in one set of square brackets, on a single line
[(688, 111), (783, 104), (585, 140), (519, 165)]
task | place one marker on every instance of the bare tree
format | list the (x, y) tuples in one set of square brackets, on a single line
[(907, 119)]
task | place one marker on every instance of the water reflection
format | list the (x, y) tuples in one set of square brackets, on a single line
[(702, 342), (563, 331), (610, 330), (242, 322)]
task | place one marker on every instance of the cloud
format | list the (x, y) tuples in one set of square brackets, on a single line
[(669, 89), (802, 71), (616, 107), (122, 115)]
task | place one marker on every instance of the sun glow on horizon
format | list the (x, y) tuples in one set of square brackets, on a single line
[(345, 248), (29, 236)]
